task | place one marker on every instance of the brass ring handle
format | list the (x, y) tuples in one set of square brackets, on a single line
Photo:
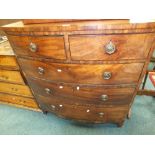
[(107, 75), (104, 97), (48, 91), (33, 47), (110, 48), (40, 70)]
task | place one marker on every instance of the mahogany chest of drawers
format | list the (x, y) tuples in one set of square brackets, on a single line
[(88, 71)]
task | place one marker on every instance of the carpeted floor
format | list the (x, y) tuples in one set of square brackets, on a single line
[(15, 121)]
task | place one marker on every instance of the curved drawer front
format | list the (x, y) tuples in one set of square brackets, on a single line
[(39, 46), (88, 113), (89, 94), (122, 47), (82, 73)]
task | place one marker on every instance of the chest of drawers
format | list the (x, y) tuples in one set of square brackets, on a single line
[(88, 71)]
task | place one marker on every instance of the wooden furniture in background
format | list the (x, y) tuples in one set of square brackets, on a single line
[(88, 71), (13, 90)]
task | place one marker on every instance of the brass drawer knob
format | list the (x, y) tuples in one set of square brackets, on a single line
[(104, 97), (33, 47), (107, 75), (110, 48), (101, 114), (48, 91), (40, 70)]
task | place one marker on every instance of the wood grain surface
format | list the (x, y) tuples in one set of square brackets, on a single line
[(11, 77), (82, 73), (19, 100), (51, 47), (87, 113), (133, 46), (16, 89), (8, 62), (92, 94)]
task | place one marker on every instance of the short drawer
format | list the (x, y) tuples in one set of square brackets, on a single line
[(88, 113), (39, 46), (83, 73), (110, 47), (85, 94)]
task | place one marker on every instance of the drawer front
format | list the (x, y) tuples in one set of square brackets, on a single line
[(15, 89), (88, 113), (11, 76), (18, 101), (39, 46), (82, 73), (110, 47), (8, 62), (89, 94)]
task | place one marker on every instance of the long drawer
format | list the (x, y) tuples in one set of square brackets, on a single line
[(39, 46), (83, 73), (88, 113), (110, 47), (83, 94)]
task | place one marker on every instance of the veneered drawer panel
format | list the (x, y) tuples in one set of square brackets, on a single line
[(92, 94), (11, 77), (92, 47), (46, 46), (88, 113), (83, 73)]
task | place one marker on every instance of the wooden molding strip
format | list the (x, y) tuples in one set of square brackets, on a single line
[(146, 92)]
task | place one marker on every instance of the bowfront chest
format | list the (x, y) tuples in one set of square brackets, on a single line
[(88, 71)]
